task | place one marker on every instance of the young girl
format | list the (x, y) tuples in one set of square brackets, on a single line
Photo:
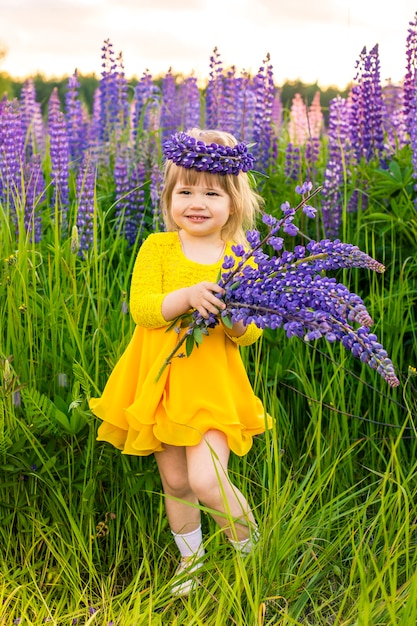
[(202, 406)]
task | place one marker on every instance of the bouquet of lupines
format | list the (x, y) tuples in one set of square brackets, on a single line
[(290, 289)]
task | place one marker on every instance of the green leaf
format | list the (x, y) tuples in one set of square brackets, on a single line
[(82, 378), (189, 344), (198, 335), (227, 321), (62, 419)]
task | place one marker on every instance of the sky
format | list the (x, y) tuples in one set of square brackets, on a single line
[(308, 40)]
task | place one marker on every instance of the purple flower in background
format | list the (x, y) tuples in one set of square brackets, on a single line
[(214, 91), (146, 106), (76, 122), (393, 118), (169, 107), (366, 112), (155, 194), (337, 166), (292, 161), (228, 119), (59, 153), (245, 107), (12, 156), (263, 131), (94, 130), (135, 209), (277, 112), (35, 195), (412, 117), (409, 86), (86, 183), (113, 95), (32, 122), (189, 103), (121, 180)]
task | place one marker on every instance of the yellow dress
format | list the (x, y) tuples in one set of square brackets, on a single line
[(207, 390)]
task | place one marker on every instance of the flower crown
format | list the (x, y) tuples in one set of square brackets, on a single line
[(191, 153)]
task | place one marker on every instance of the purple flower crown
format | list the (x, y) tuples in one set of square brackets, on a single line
[(191, 153)]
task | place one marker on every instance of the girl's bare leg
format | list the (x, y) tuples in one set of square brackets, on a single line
[(181, 503), (209, 481)]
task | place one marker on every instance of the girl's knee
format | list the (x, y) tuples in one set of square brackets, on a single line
[(208, 484), (176, 484)]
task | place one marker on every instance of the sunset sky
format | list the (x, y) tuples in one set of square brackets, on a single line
[(307, 40)]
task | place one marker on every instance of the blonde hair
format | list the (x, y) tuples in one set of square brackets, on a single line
[(245, 201)]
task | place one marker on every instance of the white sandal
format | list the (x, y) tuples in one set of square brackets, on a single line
[(184, 580)]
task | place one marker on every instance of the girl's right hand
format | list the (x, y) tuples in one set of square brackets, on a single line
[(202, 297)]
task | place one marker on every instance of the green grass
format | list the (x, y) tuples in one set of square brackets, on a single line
[(333, 486)]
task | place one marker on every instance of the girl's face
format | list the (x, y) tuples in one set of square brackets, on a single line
[(200, 210)]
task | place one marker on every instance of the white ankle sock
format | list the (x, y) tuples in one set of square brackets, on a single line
[(245, 546), (190, 544)]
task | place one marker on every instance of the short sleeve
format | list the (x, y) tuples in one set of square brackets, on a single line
[(251, 334)]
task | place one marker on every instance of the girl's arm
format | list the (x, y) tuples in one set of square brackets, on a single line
[(152, 308), (146, 289)]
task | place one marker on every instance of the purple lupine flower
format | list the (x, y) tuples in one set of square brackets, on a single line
[(393, 119), (94, 130), (113, 95), (35, 195), (169, 111), (146, 106), (366, 128), (122, 97), (376, 108), (135, 209), (227, 119), (121, 180), (337, 166), (411, 73), (32, 121), (412, 118), (214, 90), (366, 123), (277, 112), (263, 132), (12, 156), (292, 161), (76, 123), (245, 107), (155, 195), (108, 91), (59, 154), (190, 103), (85, 195)]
